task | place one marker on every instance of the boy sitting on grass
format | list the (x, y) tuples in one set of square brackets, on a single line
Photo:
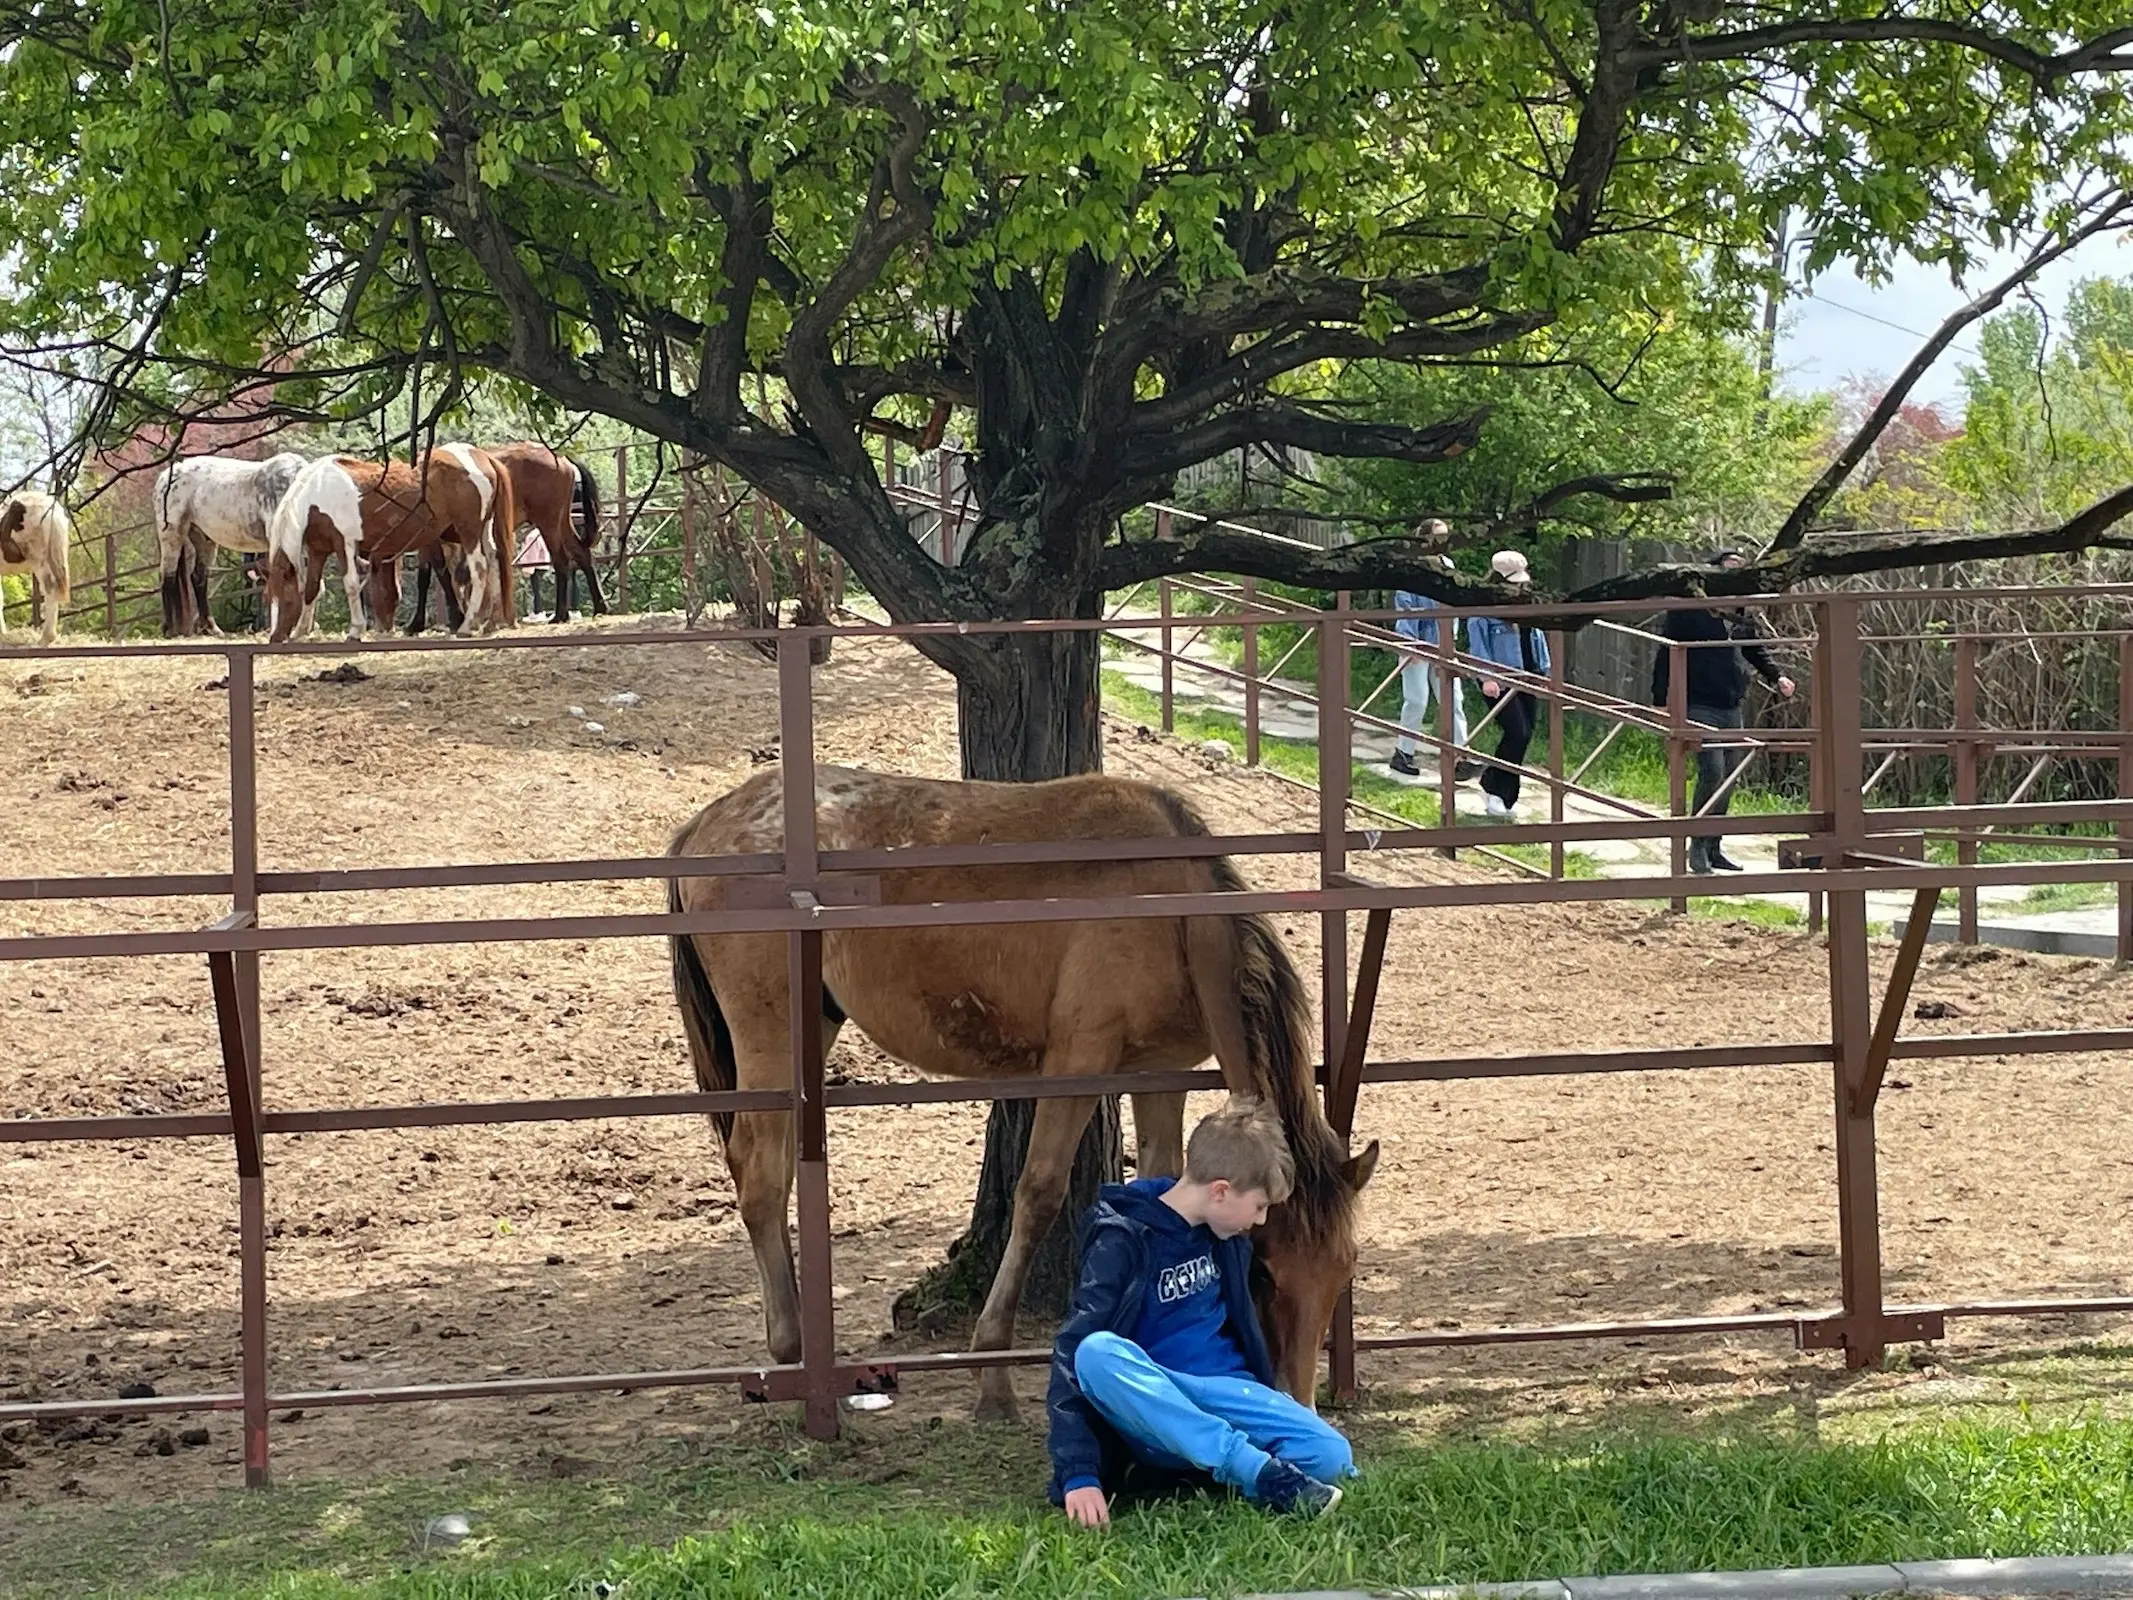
[(1161, 1374)]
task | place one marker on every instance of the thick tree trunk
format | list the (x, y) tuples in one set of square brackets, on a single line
[(1033, 712)]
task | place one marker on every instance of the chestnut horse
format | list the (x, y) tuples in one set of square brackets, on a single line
[(35, 532), (369, 515), (1018, 1000), (557, 497)]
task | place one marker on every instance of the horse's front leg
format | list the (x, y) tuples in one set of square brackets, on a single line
[(1159, 1136), (352, 583), (1055, 1135), (203, 560)]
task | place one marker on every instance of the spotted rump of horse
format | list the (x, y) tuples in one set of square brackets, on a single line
[(1018, 1000), (558, 498), (370, 514), (35, 532), (203, 502)]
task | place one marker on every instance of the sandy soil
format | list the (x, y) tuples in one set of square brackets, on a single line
[(431, 1254)]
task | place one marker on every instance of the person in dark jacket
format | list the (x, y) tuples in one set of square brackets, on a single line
[(1724, 645), (1161, 1375)]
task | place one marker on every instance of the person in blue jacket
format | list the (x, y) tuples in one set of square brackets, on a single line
[(1418, 674), (1161, 1375), (1510, 644)]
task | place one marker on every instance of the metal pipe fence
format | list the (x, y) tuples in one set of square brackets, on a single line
[(806, 893)]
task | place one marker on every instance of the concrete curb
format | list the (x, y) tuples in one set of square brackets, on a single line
[(2012, 936), (1984, 1580)]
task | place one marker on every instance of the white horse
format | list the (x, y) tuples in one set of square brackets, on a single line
[(206, 501), (35, 532)]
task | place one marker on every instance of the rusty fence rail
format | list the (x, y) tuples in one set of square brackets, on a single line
[(1967, 745), (1841, 849)]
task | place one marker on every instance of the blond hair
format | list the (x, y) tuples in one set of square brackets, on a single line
[(1243, 1144)]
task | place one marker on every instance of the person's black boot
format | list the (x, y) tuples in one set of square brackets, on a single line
[(1719, 861), (1700, 856)]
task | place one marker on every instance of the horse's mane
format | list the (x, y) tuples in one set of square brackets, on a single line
[(1278, 1032)]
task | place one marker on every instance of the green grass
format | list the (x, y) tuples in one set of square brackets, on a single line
[(2069, 896), (962, 1517), (1761, 913)]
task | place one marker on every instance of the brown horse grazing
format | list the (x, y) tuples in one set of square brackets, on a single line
[(1018, 1000), (369, 515), (558, 498)]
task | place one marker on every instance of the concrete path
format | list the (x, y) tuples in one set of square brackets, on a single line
[(2019, 1576), (2001, 913)]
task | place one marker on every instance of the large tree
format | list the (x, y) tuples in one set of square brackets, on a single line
[(1119, 237)]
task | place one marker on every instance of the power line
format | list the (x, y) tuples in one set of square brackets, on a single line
[(1839, 305)]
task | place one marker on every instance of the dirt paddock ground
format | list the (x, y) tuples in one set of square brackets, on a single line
[(401, 1257)]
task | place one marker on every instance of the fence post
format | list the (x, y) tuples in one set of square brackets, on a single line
[(2125, 791), (239, 1004), (1251, 675), (1335, 770), (1447, 751), (622, 527), (689, 517), (111, 626), (1850, 998), (1163, 605), (818, 1314), (1966, 778), (1558, 720), (940, 483), (1677, 762)]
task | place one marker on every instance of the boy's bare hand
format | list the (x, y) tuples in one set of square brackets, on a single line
[(1088, 1508)]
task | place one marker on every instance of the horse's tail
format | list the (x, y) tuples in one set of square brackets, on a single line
[(710, 1040), (503, 533), (60, 534), (586, 498)]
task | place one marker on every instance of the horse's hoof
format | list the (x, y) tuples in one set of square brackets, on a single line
[(997, 1408)]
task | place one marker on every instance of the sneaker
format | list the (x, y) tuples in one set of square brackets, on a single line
[(1465, 771), (1498, 811), (1285, 1490), (1404, 764)]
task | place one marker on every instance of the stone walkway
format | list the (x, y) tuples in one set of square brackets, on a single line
[(2002, 919)]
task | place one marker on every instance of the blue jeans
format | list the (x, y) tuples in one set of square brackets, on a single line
[(1226, 1426), (1418, 687)]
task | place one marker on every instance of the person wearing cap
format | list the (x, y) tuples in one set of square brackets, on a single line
[(1511, 644), (1723, 646), (1418, 672)]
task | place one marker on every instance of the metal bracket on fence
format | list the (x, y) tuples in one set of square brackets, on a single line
[(771, 893), (1819, 850), (1889, 1327), (790, 1383)]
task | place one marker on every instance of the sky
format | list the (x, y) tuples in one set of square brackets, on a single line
[(1846, 328)]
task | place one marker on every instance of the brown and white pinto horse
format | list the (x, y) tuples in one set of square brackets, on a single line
[(369, 515), (556, 496), (35, 532), (1065, 999)]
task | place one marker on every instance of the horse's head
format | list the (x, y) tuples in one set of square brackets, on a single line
[(283, 595), (1307, 1245)]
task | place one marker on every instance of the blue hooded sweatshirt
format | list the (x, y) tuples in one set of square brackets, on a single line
[(1174, 1289)]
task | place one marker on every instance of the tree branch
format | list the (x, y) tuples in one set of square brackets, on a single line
[(2101, 54), (2113, 214), (1409, 564), (1161, 455), (1259, 364), (896, 213)]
